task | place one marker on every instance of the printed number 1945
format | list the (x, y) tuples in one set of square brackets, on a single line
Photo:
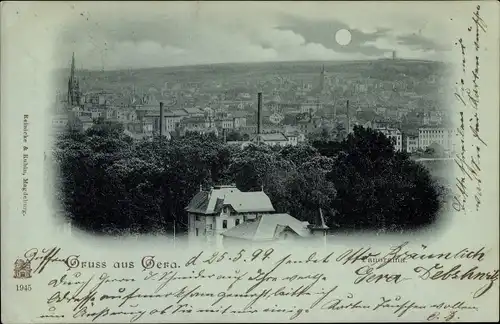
[(23, 287)]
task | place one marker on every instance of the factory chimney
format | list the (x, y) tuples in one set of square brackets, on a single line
[(348, 119), (259, 112), (161, 119)]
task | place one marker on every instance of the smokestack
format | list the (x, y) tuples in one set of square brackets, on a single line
[(259, 112), (161, 119), (348, 119)]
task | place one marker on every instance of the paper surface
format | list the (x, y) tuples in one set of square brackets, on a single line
[(246, 254)]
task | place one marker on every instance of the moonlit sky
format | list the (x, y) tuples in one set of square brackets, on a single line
[(134, 35)]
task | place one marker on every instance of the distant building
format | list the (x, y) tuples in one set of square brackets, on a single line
[(86, 122), (195, 123), (79, 122), (411, 143), (275, 139), (294, 137), (434, 117), (97, 113), (121, 115), (384, 123), (394, 135), (140, 136), (212, 212), (380, 110), (239, 119), (60, 123), (171, 119), (225, 123), (306, 127), (430, 135), (245, 95), (310, 105), (293, 131), (77, 111), (144, 127), (194, 112), (203, 130)]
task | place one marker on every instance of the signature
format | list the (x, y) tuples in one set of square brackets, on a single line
[(44, 257)]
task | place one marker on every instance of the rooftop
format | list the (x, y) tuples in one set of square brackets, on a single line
[(271, 137), (178, 112), (211, 202), (238, 114), (85, 119), (193, 120), (194, 111), (267, 227)]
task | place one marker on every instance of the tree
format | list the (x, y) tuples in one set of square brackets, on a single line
[(298, 154), (234, 136), (85, 184), (293, 177), (378, 188), (111, 183), (309, 190), (254, 165), (325, 133)]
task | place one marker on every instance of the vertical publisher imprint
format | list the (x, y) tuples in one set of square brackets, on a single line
[(24, 188)]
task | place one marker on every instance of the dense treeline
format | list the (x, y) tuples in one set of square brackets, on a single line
[(110, 183)]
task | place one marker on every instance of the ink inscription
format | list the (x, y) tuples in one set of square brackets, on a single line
[(260, 281), (469, 183)]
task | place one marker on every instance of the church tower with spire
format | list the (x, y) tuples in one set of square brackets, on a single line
[(73, 86), (322, 79)]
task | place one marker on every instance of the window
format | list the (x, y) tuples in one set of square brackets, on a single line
[(237, 222), (224, 224)]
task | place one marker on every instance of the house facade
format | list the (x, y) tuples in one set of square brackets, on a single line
[(430, 135), (212, 212), (394, 135), (59, 123), (224, 216), (411, 143)]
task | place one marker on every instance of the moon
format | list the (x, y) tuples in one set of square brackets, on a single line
[(343, 37)]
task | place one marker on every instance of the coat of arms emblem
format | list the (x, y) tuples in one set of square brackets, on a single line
[(22, 269)]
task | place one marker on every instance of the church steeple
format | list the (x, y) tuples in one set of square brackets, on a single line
[(322, 79), (73, 85), (72, 73)]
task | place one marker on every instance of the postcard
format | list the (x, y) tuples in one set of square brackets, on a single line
[(249, 162)]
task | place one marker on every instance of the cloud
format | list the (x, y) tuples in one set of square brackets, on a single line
[(323, 32), (387, 45), (419, 42), (203, 33)]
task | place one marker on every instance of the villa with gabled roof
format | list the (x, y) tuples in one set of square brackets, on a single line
[(214, 211), (226, 214)]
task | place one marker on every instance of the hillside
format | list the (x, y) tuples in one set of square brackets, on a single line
[(410, 75)]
